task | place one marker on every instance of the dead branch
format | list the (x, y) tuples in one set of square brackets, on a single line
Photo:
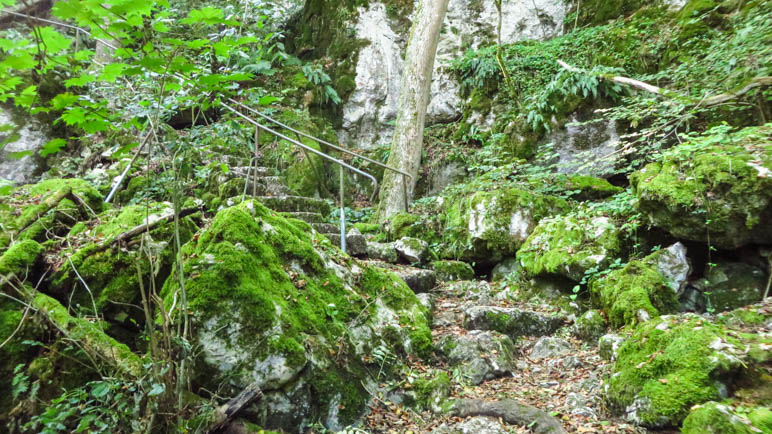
[(146, 227), (707, 102), (227, 411), (42, 208)]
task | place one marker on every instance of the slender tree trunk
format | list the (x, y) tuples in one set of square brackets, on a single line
[(414, 98)]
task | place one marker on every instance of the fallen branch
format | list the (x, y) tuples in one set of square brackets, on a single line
[(146, 227), (226, 412), (42, 208), (93, 340), (707, 102), (511, 412)]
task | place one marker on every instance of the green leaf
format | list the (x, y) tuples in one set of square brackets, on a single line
[(83, 80), (268, 99), (157, 390), (63, 100), (112, 71), (207, 15), (100, 390), (224, 168), (52, 147), (18, 60), (53, 41), (20, 155)]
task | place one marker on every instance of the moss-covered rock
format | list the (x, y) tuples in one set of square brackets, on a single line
[(635, 293), (570, 245), (19, 256), (717, 418), (489, 225), (729, 285), (671, 363), (590, 326), (277, 304), (716, 189)]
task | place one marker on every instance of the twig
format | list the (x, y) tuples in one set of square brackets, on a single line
[(90, 294), (18, 327), (146, 227)]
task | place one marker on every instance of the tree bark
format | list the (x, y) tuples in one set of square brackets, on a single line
[(407, 144)]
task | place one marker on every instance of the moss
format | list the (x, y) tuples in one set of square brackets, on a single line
[(431, 389), (710, 192), (595, 12), (335, 390), (590, 326), (368, 228), (718, 418), (670, 364), (19, 257), (405, 225), (488, 225), (634, 293), (452, 270), (570, 245)]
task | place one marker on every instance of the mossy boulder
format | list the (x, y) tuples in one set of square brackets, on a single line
[(716, 189), (635, 293), (590, 326), (570, 245), (19, 257), (672, 363), (719, 418), (276, 304), (489, 225)]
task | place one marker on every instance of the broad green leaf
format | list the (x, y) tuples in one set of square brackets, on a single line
[(83, 55), (207, 15), (52, 147), (63, 100), (18, 60), (20, 155), (53, 41), (198, 43), (160, 27), (112, 71), (157, 389), (100, 390), (268, 99)]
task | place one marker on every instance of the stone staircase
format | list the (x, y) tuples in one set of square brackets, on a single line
[(273, 193)]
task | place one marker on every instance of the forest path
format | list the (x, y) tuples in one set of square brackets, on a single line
[(556, 373)]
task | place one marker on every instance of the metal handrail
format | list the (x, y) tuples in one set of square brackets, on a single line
[(260, 126)]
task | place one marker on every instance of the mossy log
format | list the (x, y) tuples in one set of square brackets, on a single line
[(42, 208)]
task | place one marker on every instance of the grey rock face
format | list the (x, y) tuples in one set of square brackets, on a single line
[(382, 252), (578, 144), (608, 346), (417, 279), (412, 250), (481, 355), (590, 326), (30, 139), (356, 243), (549, 347), (674, 266), (510, 321), (577, 404), (729, 285), (373, 105), (504, 268)]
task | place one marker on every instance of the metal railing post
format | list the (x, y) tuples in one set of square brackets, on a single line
[(342, 215)]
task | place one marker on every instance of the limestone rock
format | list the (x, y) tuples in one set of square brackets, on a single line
[(30, 138), (729, 285), (718, 418), (724, 196), (577, 404), (473, 425), (569, 246), (673, 264), (504, 269), (510, 321), (481, 355), (382, 252), (549, 347), (590, 326), (412, 250), (693, 359), (417, 279), (608, 346)]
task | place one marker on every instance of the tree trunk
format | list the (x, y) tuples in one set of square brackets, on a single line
[(413, 99)]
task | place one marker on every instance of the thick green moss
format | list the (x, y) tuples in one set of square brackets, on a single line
[(488, 225), (570, 245), (264, 293), (431, 389), (670, 364), (405, 225), (720, 418), (634, 293), (708, 192), (19, 256), (593, 12)]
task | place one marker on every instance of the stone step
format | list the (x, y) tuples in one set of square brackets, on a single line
[(325, 228), (296, 204), (308, 217), (241, 172), (356, 244)]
